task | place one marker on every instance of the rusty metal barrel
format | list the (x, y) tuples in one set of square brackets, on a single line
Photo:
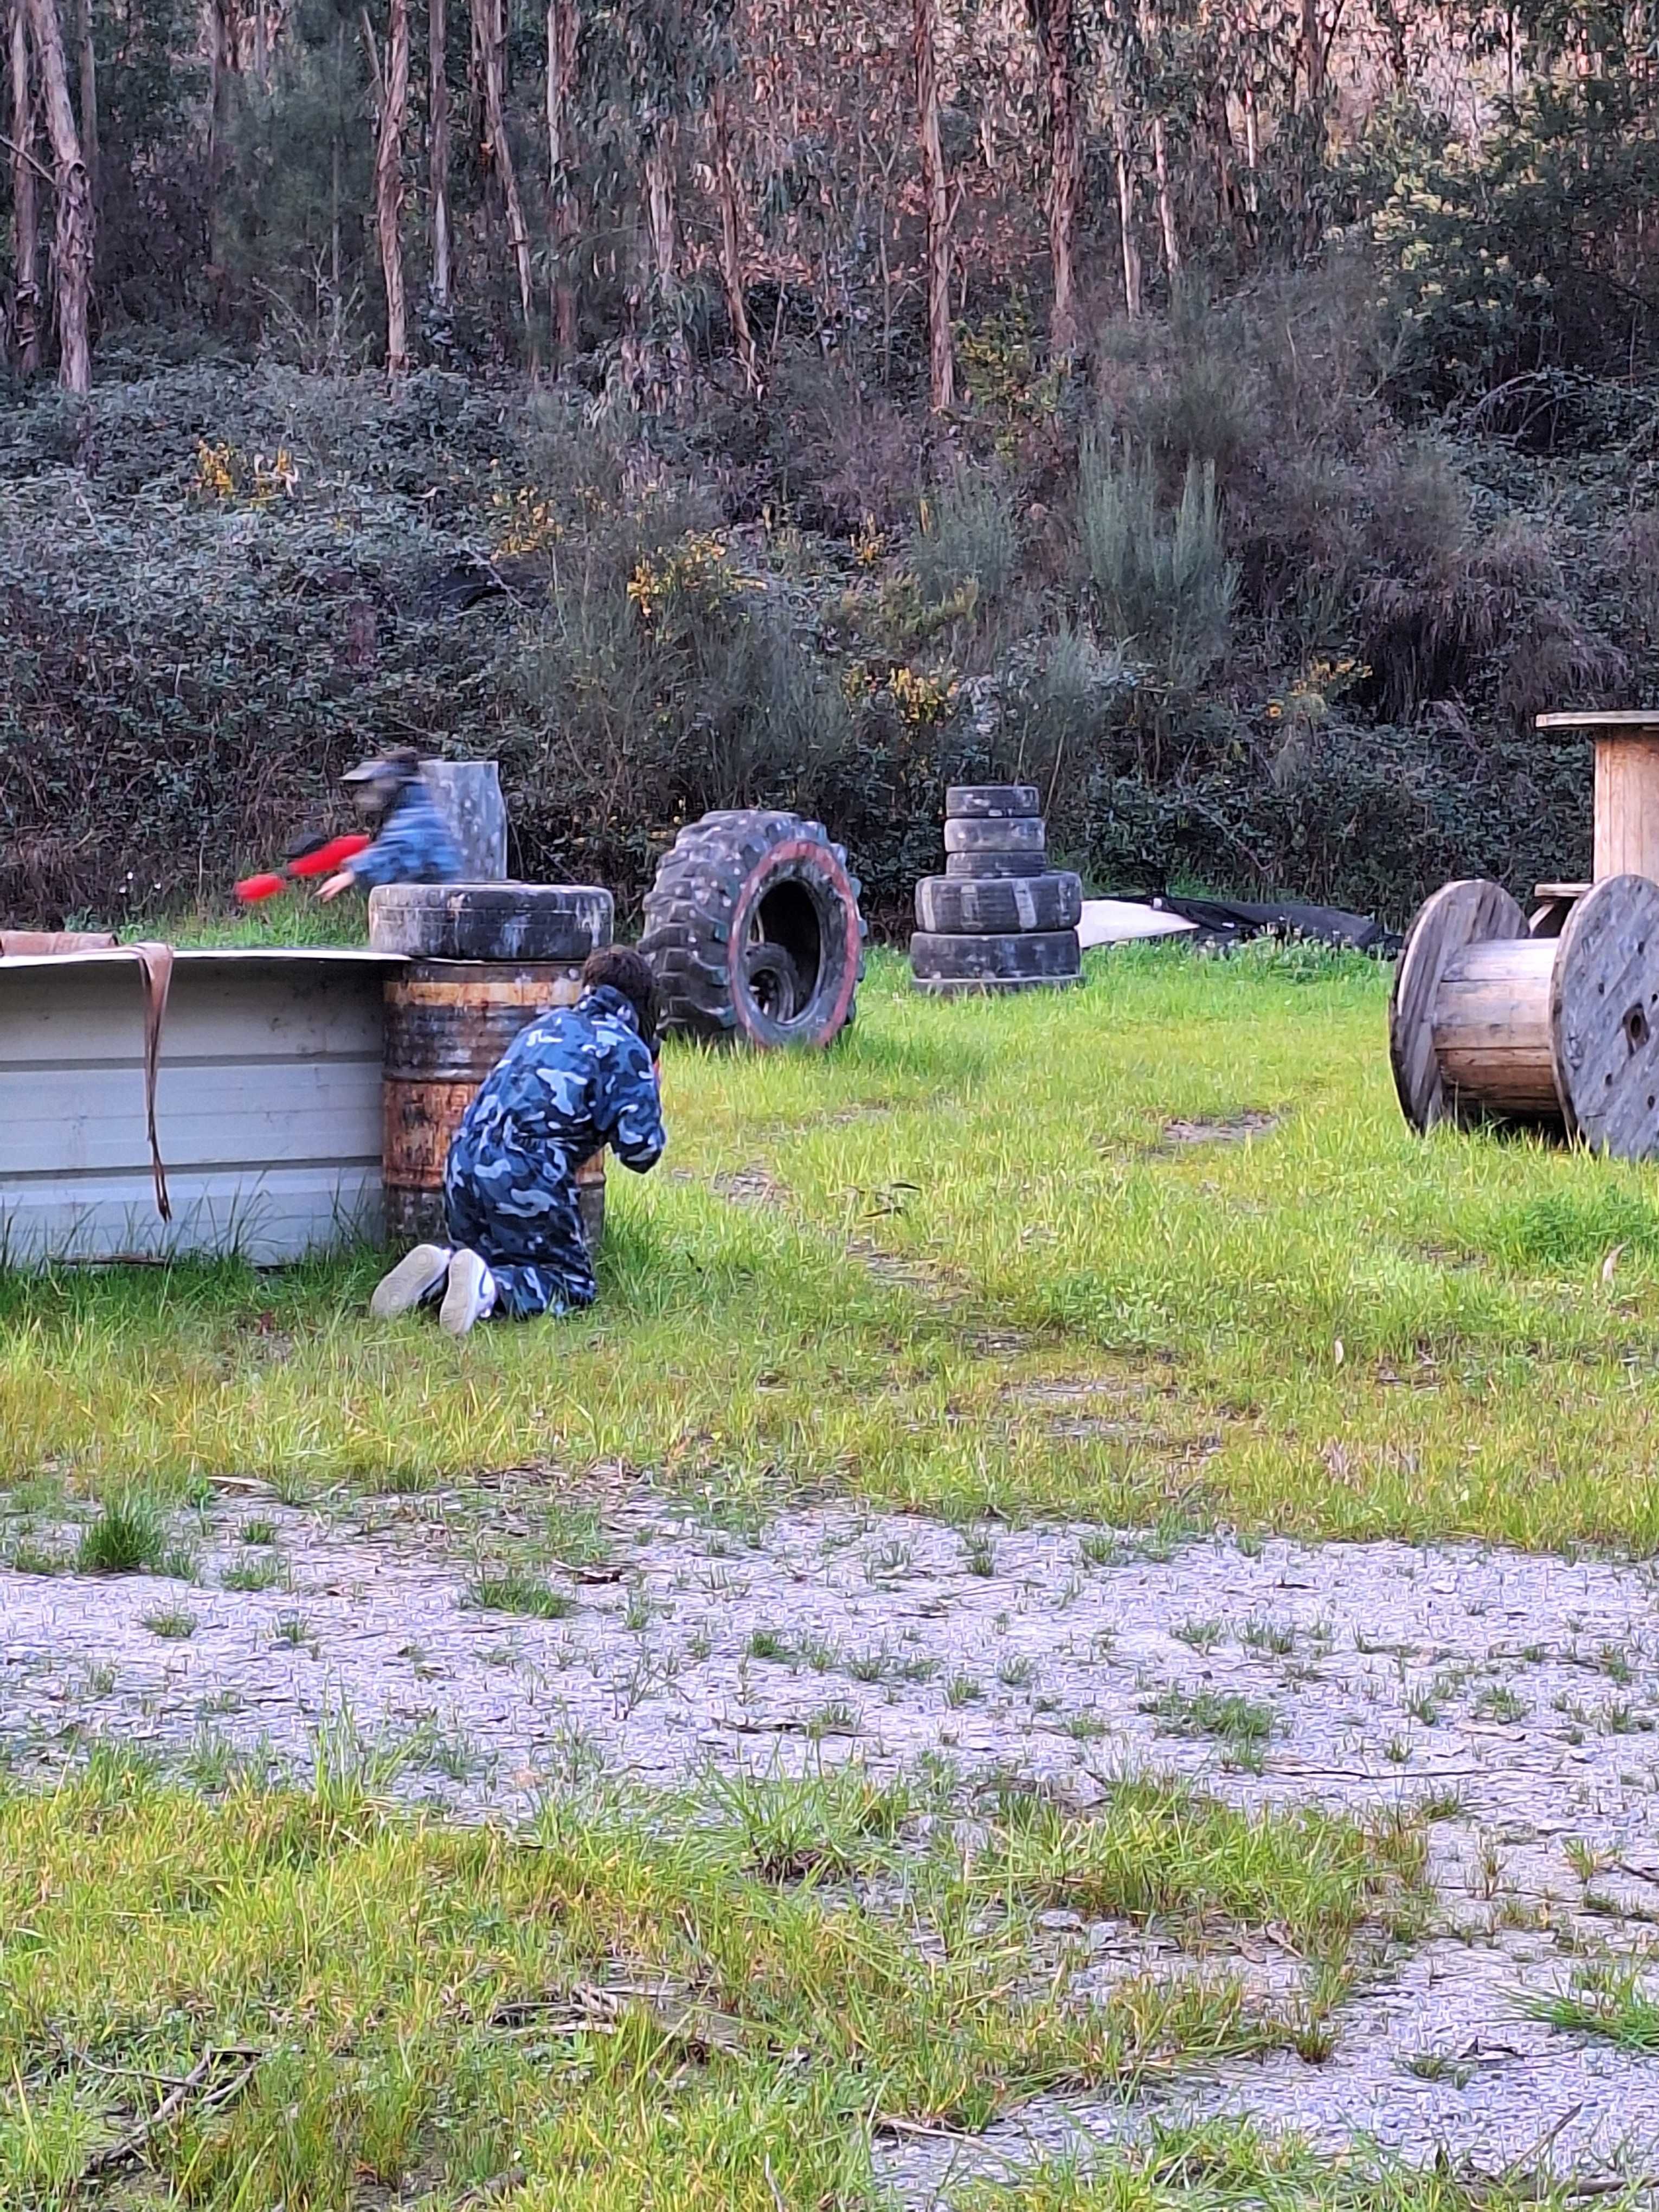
[(484, 960)]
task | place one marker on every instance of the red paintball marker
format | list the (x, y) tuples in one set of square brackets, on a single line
[(317, 856)]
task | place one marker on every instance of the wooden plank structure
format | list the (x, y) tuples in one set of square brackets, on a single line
[(1625, 829), (1487, 1024), (268, 1105)]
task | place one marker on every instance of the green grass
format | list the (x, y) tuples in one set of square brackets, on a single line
[(516, 1589), (1228, 2165), (1243, 1726), (128, 1537), (697, 2010), (1613, 1998), (1088, 1319)]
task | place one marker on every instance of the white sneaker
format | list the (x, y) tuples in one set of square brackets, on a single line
[(471, 1295), (414, 1279)]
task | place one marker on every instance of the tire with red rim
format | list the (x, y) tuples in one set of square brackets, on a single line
[(753, 931)]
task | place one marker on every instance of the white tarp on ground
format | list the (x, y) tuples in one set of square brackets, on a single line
[(1120, 921)]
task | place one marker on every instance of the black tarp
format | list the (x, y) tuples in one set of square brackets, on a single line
[(1226, 922)]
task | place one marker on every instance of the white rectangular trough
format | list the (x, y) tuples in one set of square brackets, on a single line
[(268, 1105)]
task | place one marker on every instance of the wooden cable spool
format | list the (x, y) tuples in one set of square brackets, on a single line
[(1487, 1024)]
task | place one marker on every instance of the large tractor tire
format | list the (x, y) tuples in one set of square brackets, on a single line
[(754, 933)]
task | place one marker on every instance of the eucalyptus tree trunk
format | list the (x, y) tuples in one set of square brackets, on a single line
[(437, 118), (730, 249), (393, 90), (72, 245), (490, 42), (941, 356), (1126, 212), (25, 196), (561, 216), (662, 220), (1313, 51), (1056, 35), (88, 59), (1166, 222)]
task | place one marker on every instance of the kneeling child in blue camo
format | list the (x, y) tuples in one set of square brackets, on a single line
[(578, 1078)]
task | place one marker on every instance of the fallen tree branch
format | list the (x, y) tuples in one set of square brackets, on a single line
[(131, 2145)]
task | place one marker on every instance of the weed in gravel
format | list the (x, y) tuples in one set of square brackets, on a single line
[(766, 1643), (258, 1531), (1201, 1635), (1608, 1997), (295, 1631), (640, 1610), (25, 1555), (128, 1537), (891, 1560), (1017, 1674), (1586, 1861), (962, 1690), (1242, 1726), (514, 1590), (979, 1553), (172, 1621), (251, 1576), (836, 1719), (1277, 1637), (1441, 2066), (1500, 1703)]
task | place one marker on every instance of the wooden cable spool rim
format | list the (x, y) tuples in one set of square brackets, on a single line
[(1604, 1019), (1456, 916)]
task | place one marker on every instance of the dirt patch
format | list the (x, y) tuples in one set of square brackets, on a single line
[(1233, 1130), (754, 1186)]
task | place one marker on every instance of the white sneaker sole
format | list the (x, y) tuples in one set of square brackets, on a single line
[(466, 1300), (415, 1276)]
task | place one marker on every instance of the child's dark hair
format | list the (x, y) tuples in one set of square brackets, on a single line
[(629, 972)]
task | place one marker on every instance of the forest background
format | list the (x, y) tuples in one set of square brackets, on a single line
[(1241, 419)]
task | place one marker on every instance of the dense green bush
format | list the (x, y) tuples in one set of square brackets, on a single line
[(1240, 625)]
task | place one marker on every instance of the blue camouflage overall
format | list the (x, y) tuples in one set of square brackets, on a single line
[(412, 844), (577, 1077)]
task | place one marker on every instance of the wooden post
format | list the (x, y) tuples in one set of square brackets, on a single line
[(1627, 789)]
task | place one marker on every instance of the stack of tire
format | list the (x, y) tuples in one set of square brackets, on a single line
[(998, 919)]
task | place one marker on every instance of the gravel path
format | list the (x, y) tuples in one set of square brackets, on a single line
[(1519, 1695)]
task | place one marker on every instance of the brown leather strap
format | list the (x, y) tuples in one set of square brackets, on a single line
[(156, 961), (155, 966)]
